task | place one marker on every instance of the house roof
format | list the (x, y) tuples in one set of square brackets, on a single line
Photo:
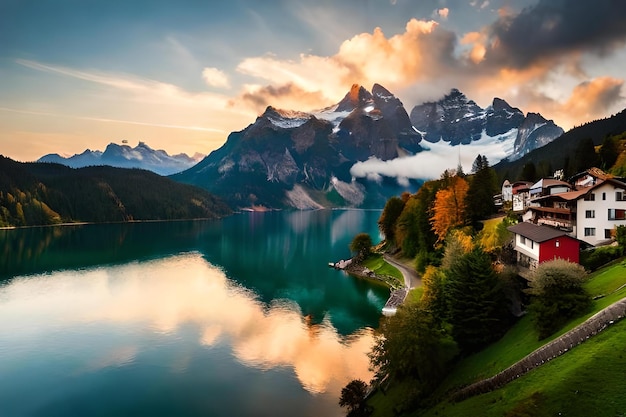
[(549, 182), (535, 232), (594, 172), (566, 196)]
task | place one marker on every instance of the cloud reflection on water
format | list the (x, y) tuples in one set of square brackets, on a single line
[(166, 294)]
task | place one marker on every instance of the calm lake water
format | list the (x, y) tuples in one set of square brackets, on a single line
[(238, 317)]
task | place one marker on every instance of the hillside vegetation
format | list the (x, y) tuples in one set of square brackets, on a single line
[(44, 193), (477, 317), (573, 152)]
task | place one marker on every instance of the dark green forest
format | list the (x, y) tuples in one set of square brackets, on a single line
[(573, 152), (43, 194)]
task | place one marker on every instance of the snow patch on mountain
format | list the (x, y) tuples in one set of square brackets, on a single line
[(123, 156)]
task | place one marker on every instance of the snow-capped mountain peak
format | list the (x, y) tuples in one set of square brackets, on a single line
[(123, 156)]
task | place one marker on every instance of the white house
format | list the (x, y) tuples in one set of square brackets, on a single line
[(507, 191), (600, 210), (521, 195)]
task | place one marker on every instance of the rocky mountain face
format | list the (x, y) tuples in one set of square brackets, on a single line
[(534, 132), (303, 160), (123, 156), (459, 120)]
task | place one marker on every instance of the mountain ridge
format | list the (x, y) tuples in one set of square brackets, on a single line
[(123, 156), (289, 158)]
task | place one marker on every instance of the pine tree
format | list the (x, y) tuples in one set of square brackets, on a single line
[(476, 303)]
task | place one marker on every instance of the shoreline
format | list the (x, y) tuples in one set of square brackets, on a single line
[(397, 295)]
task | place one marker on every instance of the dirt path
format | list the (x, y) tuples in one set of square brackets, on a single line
[(411, 279)]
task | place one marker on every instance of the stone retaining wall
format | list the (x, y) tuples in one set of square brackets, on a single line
[(547, 352)]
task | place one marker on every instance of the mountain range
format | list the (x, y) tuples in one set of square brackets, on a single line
[(123, 156), (307, 159)]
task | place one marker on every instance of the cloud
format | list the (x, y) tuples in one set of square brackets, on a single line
[(431, 163), (552, 29), (442, 13), (421, 52), (290, 96), (593, 99), (215, 77)]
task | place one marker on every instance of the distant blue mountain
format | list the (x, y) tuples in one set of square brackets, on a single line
[(123, 156)]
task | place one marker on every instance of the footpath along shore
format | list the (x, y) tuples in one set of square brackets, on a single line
[(397, 294)]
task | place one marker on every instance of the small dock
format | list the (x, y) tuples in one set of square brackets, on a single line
[(396, 298)]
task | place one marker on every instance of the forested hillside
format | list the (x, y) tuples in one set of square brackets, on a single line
[(43, 193), (573, 152)]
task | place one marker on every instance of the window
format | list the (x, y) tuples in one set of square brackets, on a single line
[(557, 244), (608, 233), (590, 214), (620, 196), (522, 240), (617, 214), (604, 196), (590, 197), (590, 231)]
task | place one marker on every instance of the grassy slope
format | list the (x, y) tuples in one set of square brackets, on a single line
[(519, 342), (590, 380), (376, 263)]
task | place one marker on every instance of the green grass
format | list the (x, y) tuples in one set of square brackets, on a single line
[(607, 280), (590, 380), (415, 295), (385, 402), (376, 263), (521, 339), (540, 389)]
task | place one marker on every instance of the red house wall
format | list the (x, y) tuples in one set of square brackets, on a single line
[(568, 249)]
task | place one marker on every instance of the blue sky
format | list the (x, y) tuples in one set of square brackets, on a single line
[(181, 75)]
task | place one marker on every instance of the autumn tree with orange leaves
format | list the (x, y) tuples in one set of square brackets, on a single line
[(449, 208)]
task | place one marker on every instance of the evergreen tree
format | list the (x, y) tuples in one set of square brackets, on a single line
[(412, 345), (482, 187), (388, 218), (529, 172), (477, 306), (609, 152), (585, 155)]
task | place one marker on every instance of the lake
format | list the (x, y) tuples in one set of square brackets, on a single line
[(236, 317)]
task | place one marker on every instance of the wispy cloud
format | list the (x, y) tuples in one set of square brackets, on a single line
[(106, 120), (425, 60), (215, 77)]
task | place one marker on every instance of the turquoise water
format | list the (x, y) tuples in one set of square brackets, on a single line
[(238, 317)]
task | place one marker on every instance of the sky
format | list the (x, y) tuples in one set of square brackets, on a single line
[(181, 75)]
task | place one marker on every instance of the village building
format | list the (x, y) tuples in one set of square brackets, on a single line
[(600, 210), (535, 244), (520, 195), (557, 217)]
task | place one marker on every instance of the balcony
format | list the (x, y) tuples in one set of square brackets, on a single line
[(560, 224)]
